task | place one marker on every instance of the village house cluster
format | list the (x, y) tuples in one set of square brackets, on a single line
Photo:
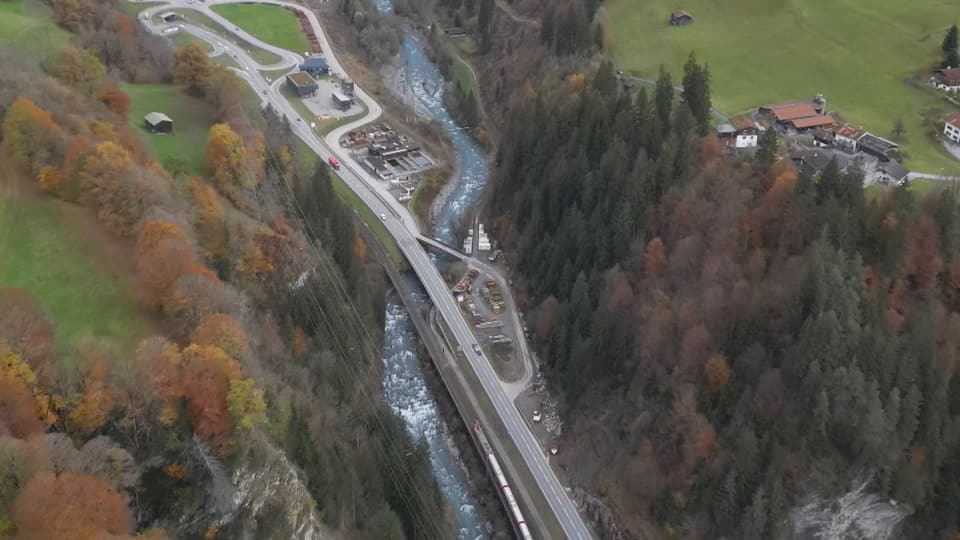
[(814, 138)]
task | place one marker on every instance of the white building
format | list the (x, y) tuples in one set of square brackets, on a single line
[(951, 128), (946, 79), (741, 132), (483, 242)]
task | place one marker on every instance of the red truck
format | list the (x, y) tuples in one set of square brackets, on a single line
[(334, 163)]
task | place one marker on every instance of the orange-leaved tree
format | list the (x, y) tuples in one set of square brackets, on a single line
[(192, 68), (70, 507), (31, 138), (226, 159), (92, 405), (159, 362), (207, 372), (225, 332), (162, 255)]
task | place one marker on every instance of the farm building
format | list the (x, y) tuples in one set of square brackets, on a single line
[(798, 115), (302, 84), (879, 148), (847, 136), (740, 132), (946, 79), (157, 122), (812, 122), (680, 18), (951, 127), (316, 66), (341, 101)]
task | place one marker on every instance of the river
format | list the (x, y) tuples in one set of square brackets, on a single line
[(404, 387)]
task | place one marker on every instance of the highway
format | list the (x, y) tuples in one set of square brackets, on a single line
[(399, 222)]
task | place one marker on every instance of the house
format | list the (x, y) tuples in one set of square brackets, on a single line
[(946, 79), (315, 66), (680, 18), (951, 127), (157, 122), (823, 137), (891, 172), (302, 84), (879, 148), (341, 101), (846, 138), (740, 132)]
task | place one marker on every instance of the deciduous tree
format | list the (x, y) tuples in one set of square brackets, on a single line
[(70, 507), (192, 68)]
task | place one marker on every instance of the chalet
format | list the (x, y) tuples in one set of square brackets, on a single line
[(891, 172), (680, 18), (302, 84), (951, 127), (846, 138), (315, 66), (813, 161), (157, 122), (879, 148), (341, 101), (946, 79), (740, 132)]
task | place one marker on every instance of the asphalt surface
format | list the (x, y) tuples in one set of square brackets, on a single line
[(398, 221)]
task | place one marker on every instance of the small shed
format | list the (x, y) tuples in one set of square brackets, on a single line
[(316, 66), (680, 17), (302, 84), (342, 102), (157, 122)]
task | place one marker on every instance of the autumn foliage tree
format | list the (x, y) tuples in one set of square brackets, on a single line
[(230, 164), (95, 400), (31, 138), (70, 507), (163, 254), (225, 332), (115, 99), (207, 372), (192, 68), (78, 69)]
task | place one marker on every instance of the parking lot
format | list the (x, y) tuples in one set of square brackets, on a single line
[(321, 104)]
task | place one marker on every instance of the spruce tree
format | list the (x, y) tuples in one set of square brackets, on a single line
[(696, 92)]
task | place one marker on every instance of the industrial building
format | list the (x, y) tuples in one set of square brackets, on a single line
[(315, 66), (302, 84), (341, 101)]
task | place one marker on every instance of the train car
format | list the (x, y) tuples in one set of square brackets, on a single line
[(493, 465)]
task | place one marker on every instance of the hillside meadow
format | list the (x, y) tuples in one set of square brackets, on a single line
[(856, 53)]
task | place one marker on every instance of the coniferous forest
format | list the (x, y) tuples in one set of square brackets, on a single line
[(730, 338)]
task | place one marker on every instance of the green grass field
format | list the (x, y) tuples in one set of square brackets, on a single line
[(192, 118), (43, 251), (271, 24), (26, 26), (760, 51)]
